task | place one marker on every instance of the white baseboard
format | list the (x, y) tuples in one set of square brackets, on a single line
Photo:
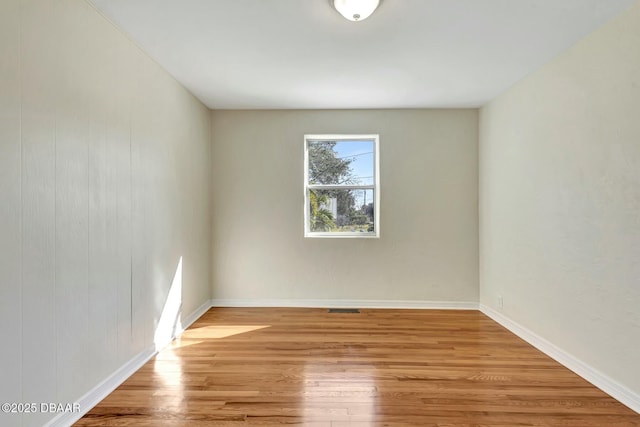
[(595, 377), (103, 389), (190, 320), (344, 303)]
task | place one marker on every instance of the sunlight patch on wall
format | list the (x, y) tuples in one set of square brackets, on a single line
[(170, 323)]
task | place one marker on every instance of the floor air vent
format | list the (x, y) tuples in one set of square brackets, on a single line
[(344, 310)]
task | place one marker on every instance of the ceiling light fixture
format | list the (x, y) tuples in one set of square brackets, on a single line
[(355, 10)]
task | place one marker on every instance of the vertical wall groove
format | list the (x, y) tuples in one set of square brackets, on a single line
[(20, 302)]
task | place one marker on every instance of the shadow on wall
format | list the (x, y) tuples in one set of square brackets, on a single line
[(170, 323)]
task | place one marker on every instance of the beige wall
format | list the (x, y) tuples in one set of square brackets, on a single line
[(104, 163), (428, 246), (560, 201)]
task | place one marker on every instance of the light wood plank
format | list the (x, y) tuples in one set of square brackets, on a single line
[(381, 367)]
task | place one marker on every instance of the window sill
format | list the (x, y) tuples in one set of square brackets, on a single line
[(352, 235)]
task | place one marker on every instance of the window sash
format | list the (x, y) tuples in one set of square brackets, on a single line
[(375, 187), (341, 187)]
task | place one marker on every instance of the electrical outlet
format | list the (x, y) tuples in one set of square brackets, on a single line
[(499, 301)]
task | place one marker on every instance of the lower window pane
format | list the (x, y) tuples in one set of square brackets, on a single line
[(341, 211)]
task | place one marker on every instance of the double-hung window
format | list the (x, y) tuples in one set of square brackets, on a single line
[(341, 186)]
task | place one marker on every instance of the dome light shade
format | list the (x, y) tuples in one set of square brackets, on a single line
[(355, 10)]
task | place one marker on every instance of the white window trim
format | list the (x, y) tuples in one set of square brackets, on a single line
[(376, 186)]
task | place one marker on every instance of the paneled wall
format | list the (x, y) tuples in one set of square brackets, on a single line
[(104, 188)]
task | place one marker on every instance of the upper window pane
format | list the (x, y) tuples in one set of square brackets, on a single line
[(342, 162)]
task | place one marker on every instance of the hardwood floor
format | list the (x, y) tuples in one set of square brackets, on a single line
[(276, 366)]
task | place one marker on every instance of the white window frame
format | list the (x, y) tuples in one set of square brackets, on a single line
[(375, 138)]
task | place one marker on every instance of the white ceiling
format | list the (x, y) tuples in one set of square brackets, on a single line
[(246, 54)]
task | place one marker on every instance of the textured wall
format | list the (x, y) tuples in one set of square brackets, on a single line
[(428, 212), (560, 200), (104, 163)]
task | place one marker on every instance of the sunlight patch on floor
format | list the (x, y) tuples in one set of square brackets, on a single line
[(221, 331)]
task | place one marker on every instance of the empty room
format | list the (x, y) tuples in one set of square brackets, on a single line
[(321, 213)]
